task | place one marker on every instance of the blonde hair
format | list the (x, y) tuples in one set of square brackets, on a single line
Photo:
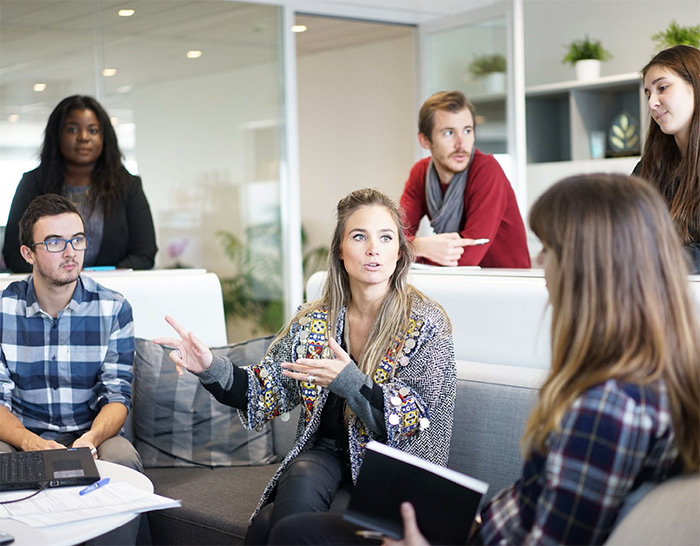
[(393, 316), (621, 304)]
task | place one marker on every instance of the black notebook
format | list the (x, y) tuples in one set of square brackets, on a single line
[(53, 468), (446, 501)]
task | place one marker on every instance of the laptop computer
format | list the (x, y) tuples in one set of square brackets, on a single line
[(446, 501), (51, 468)]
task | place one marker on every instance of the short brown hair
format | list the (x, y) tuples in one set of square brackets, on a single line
[(450, 101), (49, 204)]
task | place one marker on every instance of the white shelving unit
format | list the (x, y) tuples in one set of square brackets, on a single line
[(561, 117), (491, 126)]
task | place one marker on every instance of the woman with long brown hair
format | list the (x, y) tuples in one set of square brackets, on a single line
[(372, 359), (621, 405), (620, 408), (671, 158)]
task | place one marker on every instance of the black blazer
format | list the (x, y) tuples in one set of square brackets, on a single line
[(128, 239)]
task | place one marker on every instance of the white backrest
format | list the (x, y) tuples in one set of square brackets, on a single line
[(498, 316), (191, 296)]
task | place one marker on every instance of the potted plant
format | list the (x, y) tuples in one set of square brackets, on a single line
[(674, 34), (492, 69), (586, 55)]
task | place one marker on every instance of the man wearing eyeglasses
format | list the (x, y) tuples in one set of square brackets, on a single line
[(66, 345)]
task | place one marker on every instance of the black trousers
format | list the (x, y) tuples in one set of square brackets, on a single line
[(310, 483)]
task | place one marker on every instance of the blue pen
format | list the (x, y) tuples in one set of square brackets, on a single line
[(96, 485), (101, 268)]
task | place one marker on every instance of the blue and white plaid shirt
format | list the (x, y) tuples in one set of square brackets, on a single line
[(56, 374), (614, 437)]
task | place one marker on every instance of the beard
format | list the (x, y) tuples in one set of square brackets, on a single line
[(56, 276)]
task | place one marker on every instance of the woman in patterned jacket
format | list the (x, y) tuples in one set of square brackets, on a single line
[(373, 359)]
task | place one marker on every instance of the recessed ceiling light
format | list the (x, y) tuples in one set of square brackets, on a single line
[(109, 72), (299, 28), (13, 118), (39, 87), (194, 54), (126, 12), (114, 121)]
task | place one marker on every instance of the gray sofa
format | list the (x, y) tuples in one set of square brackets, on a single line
[(493, 402)]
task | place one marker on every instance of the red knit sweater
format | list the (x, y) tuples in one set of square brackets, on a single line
[(490, 211)]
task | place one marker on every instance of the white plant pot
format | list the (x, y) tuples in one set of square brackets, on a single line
[(495, 82), (588, 69)]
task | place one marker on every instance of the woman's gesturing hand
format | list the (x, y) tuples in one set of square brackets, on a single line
[(321, 371), (190, 353)]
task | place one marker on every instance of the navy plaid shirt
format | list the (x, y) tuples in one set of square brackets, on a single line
[(56, 374), (614, 437)]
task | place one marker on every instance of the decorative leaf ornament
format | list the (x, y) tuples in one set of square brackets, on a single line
[(623, 135)]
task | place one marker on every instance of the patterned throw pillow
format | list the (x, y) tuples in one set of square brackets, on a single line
[(177, 422)]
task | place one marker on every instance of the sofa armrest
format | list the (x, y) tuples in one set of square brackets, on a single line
[(668, 514)]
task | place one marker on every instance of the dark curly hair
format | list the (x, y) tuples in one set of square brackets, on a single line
[(109, 177)]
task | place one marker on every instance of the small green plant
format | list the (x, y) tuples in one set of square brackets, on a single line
[(487, 64), (674, 34), (254, 291), (580, 50)]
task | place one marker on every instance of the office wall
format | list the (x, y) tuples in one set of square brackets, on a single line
[(357, 126), (195, 139), (624, 27)]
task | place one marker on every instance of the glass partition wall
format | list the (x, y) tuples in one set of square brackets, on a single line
[(195, 93)]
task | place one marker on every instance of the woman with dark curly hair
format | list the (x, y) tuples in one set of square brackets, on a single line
[(81, 160)]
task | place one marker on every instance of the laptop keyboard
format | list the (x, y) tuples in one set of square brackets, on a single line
[(22, 467)]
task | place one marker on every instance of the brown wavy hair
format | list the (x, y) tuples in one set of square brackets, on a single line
[(676, 173), (449, 101), (621, 305)]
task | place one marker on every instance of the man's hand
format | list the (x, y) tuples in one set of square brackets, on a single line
[(85, 441), (411, 533), (39, 444), (442, 249)]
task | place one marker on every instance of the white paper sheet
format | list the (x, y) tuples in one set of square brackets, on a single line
[(65, 505)]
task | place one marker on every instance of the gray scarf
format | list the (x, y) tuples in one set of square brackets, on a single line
[(446, 211)]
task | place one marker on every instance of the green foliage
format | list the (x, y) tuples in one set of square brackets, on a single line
[(674, 34), (486, 64), (254, 291), (579, 50)]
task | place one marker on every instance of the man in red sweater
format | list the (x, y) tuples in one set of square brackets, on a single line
[(464, 193)]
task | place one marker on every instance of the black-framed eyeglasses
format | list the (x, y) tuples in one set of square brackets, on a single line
[(59, 245)]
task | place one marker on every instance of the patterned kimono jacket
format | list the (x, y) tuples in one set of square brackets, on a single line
[(417, 375)]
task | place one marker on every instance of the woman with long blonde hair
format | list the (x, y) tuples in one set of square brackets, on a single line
[(372, 359)]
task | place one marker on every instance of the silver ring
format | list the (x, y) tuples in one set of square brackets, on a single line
[(310, 379), (179, 354)]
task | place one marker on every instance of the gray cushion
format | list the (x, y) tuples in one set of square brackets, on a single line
[(177, 422), (493, 403), (216, 504)]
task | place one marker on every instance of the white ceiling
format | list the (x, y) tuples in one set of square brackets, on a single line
[(54, 41)]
